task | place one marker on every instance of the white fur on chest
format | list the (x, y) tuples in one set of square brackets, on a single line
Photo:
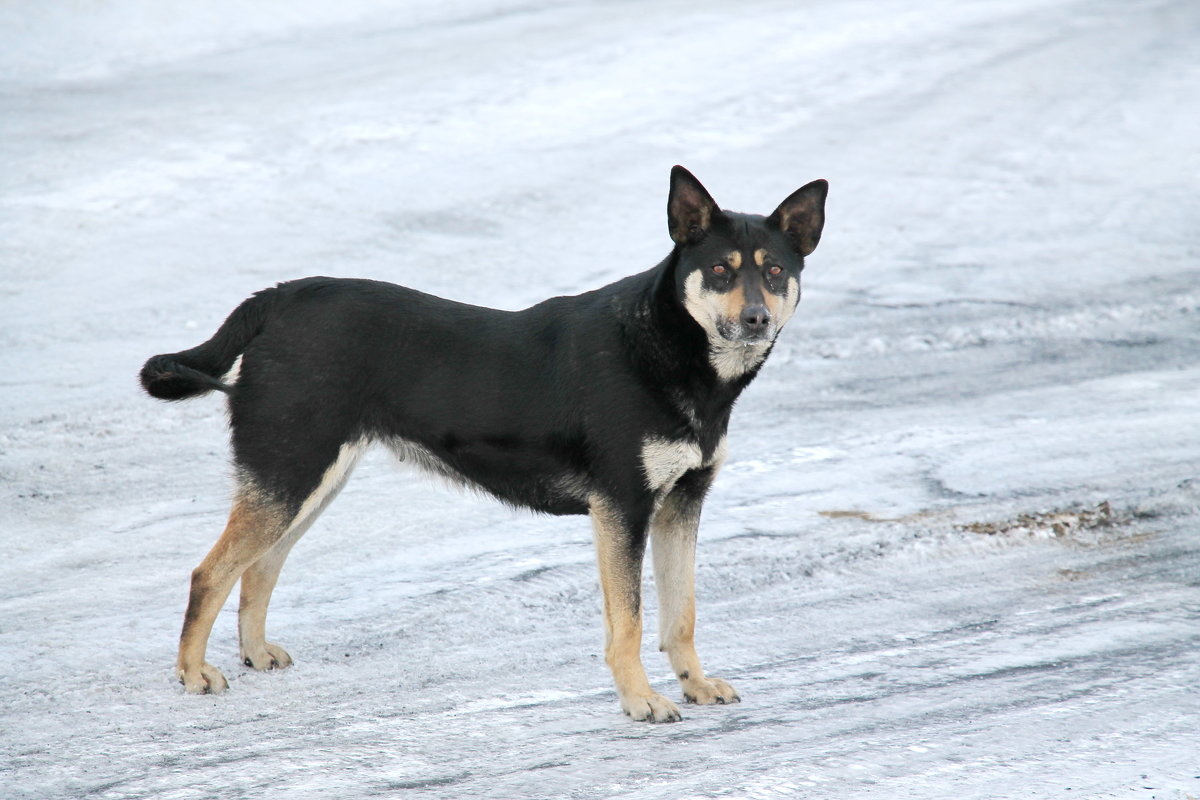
[(664, 461)]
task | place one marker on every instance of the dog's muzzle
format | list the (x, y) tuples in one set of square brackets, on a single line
[(753, 326)]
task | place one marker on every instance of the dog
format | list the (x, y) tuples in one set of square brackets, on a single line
[(612, 403)]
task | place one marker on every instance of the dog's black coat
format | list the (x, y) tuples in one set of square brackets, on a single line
[(614, 402), (534, 406)]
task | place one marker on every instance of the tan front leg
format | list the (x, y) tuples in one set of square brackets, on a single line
[(673, 540), (619, 557), (255, 525)]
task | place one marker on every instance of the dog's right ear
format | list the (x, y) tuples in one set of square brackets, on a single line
[(690, 208)]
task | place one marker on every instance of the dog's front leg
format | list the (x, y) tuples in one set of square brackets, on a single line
[(673, 538), (620, 547)]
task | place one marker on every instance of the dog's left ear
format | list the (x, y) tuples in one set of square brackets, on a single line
[(802, 216), (690, 208)]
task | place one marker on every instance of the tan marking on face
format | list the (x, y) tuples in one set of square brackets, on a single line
[(734, 259), (787, 302), (760, 256), (774, 303), (734, 302), (709, 308)]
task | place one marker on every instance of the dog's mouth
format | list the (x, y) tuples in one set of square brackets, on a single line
[(734, 332)]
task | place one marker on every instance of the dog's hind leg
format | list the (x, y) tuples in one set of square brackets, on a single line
[(673, 541), (255, 525), (261, 531), (620, 547), (258, 581)]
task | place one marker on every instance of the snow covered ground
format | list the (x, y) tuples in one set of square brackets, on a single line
[(955, 551)]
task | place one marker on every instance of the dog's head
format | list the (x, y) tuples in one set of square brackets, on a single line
[(738, 275)]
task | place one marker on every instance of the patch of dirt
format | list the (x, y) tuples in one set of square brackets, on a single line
[(1062, 523)]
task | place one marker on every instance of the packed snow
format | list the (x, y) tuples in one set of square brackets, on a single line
[(954, 552)]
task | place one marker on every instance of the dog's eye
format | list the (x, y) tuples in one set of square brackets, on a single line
[(775, 270), (719, 269)]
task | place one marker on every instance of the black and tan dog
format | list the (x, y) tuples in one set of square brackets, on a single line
[(612, 403)]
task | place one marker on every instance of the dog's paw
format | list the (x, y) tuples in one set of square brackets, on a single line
[(205, 680), (651, 707), (709, 691), (267, 656)]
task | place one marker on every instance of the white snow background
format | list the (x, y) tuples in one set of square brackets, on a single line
[(953, 554)]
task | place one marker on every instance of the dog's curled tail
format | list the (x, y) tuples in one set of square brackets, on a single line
[(178, 376)]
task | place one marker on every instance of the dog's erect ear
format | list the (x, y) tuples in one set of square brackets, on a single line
[(802, 216), (690, 208)]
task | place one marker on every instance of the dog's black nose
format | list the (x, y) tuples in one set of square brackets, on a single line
[(755, 319)]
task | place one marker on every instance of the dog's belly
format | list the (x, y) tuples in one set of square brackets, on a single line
[(513, 471)]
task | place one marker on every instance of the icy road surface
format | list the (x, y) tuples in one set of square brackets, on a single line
[(955, 551)]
